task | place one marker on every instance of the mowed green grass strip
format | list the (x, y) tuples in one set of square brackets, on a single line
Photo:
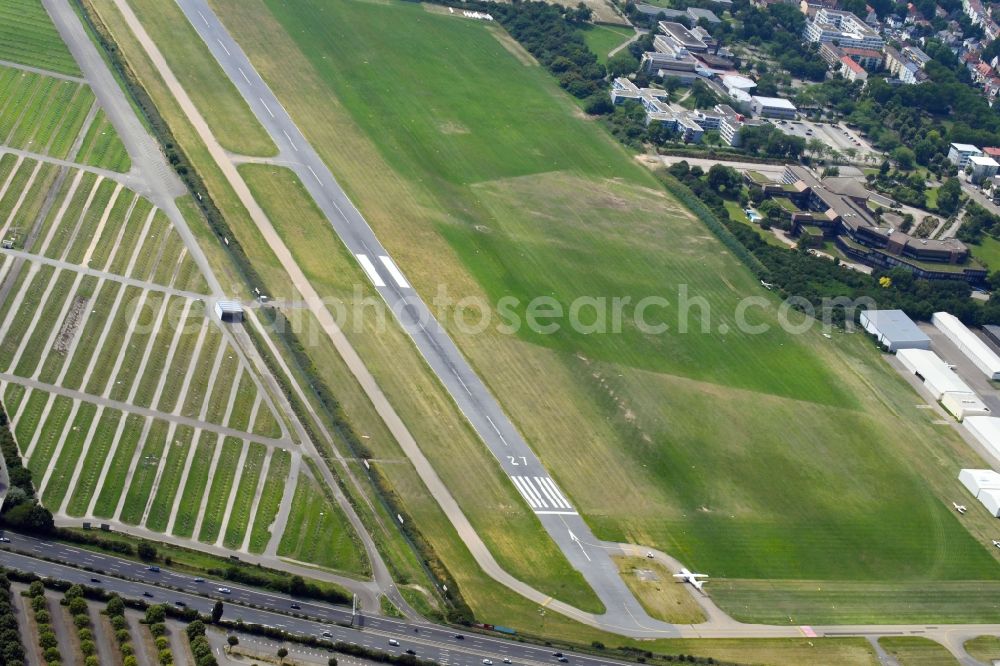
[(246, 395), (16, 187), (31, 205), (917, 651), (218, 494), (108, 241), (266, 424), (270, 500), (194, 487), (72, 448), (213, 93), (603, 38), (70, 220), (246, 491), (138, 339), (152, 244), (163, 501), (114, 483), (49, 434), (170, 251), (126, 249), (48, 320), (203, 372), (102, 147), (224, 379), (189, 277), (189, 331), (71, 124), (29, 418), (12, 399), (93, 462), (151, 458), (89, 334), (317, 531), (85, 237), (27, 36), (25, 314), (163, 338)]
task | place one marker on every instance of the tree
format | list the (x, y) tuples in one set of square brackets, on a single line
[(724, 180), (156, 613), (622, 63), (30, 517), (217, 610), (233, 641), (74, 592), (282, 653), (146, 551), (332, 661), (949, 196), (77, 606), (905, 158), (115, 606), (195, 629)]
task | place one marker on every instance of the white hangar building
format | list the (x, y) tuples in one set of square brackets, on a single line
[(894, 330)]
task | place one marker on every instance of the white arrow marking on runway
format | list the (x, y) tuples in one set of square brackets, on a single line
[(369, 267), (224, 47), (266, 106), (579, 543)]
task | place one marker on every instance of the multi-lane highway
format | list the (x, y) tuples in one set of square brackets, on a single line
[(554, 510), (135, 580)]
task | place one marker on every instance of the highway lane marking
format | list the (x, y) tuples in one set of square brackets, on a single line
[(294, 147), (314, 175), (266, 106), (224, 47), (369, 268), (245, 77), (394, 271)]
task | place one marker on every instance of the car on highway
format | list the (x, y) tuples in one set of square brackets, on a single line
[(393, 641), (327, 634), (488, 662), (459, 637), (199, 580), (296, 606), (563, 660), (148, 594), (506, 660), (4, 539), (154, 569), (95, 580), (224, 590), (180, 603), (411, 652)]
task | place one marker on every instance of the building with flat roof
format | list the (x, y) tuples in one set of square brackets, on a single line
[(230, 311), (682, 37), (941, 382), (986, 431), (959, 154), (773, 107), (844, 28), (654, 11), (697, 13), (983, 167), (894, 330), (970, 344)]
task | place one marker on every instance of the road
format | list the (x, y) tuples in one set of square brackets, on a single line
[(624, 614), (133, 580)]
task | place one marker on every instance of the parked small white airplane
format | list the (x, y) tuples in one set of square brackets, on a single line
[(767, 285), (996, 543), (689, 577), (959, 507)]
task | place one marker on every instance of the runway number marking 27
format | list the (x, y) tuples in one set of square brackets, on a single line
[(514, 460)]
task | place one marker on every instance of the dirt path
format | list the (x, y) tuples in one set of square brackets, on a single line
[(104, 637)]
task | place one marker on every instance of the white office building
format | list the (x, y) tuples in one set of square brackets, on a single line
[(773, 107), (983, 168)]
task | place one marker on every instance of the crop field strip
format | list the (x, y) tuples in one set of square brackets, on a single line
[(40, 113), (28, 37), (102, 147)]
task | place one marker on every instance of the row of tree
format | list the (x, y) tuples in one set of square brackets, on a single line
[(11, 648), (77, 606)]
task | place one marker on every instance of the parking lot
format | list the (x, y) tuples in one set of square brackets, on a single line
[(837, 136)]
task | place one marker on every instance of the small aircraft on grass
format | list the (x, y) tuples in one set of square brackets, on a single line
[(693, 578), (959, 507)]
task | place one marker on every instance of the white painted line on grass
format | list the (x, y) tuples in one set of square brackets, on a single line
[(224, 47), (271, 113), (245, 77), (369, 267), (394, 271), (294, 147)]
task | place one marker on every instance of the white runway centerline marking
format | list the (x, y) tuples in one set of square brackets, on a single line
[(294, 147), (394, 271), (314, 175), (224, 47), (369, 267), (245, 77), (266, 107), (203, 17)]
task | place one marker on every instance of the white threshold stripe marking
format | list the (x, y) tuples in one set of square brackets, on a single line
[(556, 502), (224, 47), (394, 271), (369, 267), (556, 513), (528, 491), (550, 486), (271, 113)]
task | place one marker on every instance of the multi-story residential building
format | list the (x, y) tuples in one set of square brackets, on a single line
[(916, 56), (852, 71), (959, 154), (867, 58), (843, 27), (983, 167)]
